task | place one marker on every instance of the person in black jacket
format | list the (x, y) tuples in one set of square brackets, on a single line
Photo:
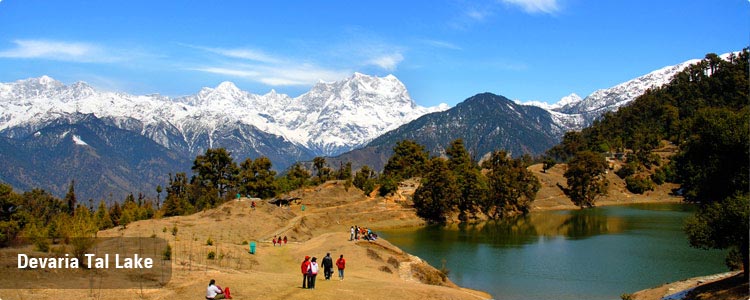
[(328, 266)]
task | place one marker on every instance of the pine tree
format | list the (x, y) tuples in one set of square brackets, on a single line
[(512, 187), (434, 200), (70, 198), (216, 169)]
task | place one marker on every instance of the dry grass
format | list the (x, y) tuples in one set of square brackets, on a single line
[(274, 271)]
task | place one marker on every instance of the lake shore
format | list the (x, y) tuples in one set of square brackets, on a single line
[(721, 286), (376, 269)]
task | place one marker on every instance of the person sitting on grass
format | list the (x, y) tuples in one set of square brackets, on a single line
[(213, 291)]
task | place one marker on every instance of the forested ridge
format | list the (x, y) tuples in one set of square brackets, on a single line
[(704, 112)]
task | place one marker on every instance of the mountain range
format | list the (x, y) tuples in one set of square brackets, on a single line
[(116, 143)]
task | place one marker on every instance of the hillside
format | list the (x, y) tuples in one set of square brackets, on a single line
[(486, 122), (374, 269)]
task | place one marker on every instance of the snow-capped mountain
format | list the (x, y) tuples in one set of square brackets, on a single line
[(611, 99), (327, 120)]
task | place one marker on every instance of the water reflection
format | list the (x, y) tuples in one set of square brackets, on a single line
[(528, 229)]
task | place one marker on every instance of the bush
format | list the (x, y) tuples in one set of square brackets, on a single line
[(211, 254), (167, 254), (628, 169), (385, 269), (374, 255), (394, 262), (659, 177), (734, 260), (639, 184), (209, 242), (388, 185)]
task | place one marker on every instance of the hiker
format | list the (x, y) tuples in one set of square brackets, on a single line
[(253, 205), (328, 266), (341, 264), (285, 240), (351, 233), (313, 273), (305, 267), (274, 241), (213, 291), (356, 232)]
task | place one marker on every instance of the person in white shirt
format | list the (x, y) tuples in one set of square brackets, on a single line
[(213, 291), (313, 273)]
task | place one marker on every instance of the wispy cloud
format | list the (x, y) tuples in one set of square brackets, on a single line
[(241, 53), (59, 50), (536, 6), (269, 70), (477, 14), (387, 62), (277, 70), (442, 44)]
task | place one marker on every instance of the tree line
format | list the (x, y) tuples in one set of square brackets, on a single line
[(704, 112)]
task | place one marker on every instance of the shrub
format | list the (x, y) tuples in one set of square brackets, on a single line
[(639, 184), (394, 262), (385, 269), (628, 169), (211, 254), (167, 254), (659, 177), (209, 242), (374, 255)]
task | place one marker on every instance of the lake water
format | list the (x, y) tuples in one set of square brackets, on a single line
[(597, 253)]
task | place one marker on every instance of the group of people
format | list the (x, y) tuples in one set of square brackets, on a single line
[(279, 241), (310, 269), (356, 232)]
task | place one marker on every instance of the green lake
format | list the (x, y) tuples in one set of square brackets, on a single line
[(597, 253)]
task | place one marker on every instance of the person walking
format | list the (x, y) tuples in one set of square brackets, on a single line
[(313, 273), (351, 233), (341, 264), (305, 271), (328, 266)]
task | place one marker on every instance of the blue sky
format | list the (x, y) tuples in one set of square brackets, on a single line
[(444, 51)]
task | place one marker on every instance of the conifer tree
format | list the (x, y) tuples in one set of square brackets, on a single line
[(70, 198), (435, 198)]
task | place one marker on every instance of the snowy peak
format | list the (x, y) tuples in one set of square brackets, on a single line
[(615, 97), (568, 100), (327, 120)]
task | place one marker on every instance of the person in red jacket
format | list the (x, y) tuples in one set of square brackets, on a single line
[(305, 266), (341, 264)]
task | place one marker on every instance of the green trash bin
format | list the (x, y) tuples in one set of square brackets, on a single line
[(252, 247)]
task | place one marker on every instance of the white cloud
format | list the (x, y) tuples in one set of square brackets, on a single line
[(241, 53), (388, 62), (278, 75), (536, 6), (476, 14), (227, 71), (442, 44), (58, 50)]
